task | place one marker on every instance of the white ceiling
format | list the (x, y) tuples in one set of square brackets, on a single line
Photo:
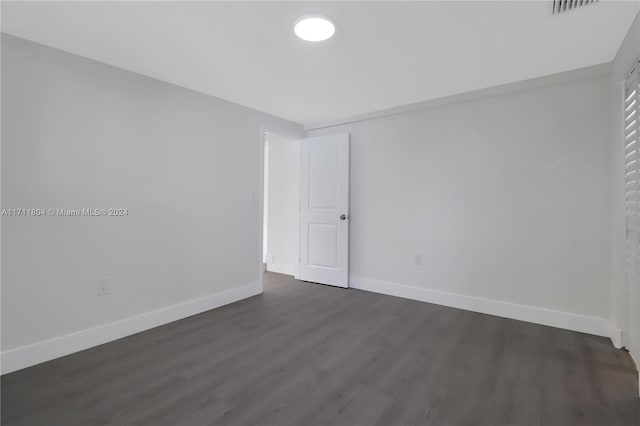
[(383, 55)]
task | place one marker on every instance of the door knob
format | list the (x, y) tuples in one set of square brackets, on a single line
[(343, 217)]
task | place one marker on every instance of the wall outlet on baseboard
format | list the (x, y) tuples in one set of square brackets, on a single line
[(418, 260), (103, 287)]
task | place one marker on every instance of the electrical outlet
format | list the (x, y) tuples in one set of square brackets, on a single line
[(418, 260), (103, 287)]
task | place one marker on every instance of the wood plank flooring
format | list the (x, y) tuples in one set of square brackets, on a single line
[(306, 354)]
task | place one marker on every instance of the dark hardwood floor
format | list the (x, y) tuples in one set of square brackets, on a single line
[(306, 354)]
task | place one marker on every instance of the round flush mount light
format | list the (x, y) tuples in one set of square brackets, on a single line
[(313, 27)]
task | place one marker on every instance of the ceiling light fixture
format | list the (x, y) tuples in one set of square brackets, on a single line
[(314, 27)]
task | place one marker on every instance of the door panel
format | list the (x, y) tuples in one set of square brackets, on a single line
[(323, 245), (323, 176), (324, 210)]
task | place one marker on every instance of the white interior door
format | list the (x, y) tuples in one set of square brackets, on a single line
[(324, 210)]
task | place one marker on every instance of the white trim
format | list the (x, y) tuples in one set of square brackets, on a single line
[(618, 223), (282, 268), (615, 334), (28, 355), (533, 314), (502, 89), (265, 200)]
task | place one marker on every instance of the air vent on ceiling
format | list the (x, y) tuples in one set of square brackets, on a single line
[(565, 5)]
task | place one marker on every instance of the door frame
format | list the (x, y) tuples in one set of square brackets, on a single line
[(287, 132)]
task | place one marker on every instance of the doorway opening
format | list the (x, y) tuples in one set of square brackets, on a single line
[(281, 205)]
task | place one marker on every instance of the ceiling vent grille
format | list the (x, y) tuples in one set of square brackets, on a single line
[(560, 6)]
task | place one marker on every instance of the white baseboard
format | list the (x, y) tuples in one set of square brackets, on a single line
[(36, 353), (559, 319), (282, 268), (636, 359), (615, 334)]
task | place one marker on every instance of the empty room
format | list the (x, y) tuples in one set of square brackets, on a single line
[(295, 213)]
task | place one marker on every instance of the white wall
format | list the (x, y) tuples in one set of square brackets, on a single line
[(283, 204), (629, 53), (506, 198), (80, 134)]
